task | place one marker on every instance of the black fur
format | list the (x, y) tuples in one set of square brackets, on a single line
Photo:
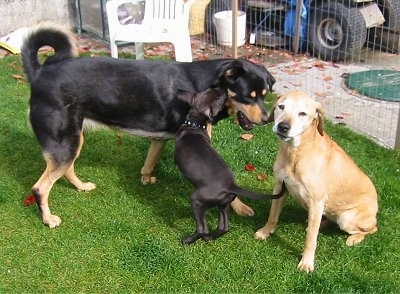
[(212, 179), (134, 95)]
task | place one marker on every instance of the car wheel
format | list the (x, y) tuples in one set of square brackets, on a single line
[(391, 12), (336, 31)]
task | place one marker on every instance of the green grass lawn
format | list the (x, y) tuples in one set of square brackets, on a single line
[(123, 237)]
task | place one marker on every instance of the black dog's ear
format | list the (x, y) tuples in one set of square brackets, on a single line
[(231, 69), (186, 96)]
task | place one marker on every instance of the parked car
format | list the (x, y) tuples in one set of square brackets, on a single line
[(330, 29)]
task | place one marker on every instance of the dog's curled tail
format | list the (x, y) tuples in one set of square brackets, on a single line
[(46, 34), (259, 196)]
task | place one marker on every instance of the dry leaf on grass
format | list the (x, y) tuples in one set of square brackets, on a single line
[(261, 177), (246, 136), (19, 77)]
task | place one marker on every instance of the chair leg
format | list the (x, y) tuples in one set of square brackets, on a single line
[(183, 51), (139, 49), (114, 49)]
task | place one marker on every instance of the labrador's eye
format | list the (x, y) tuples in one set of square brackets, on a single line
[(281, 106), (302, 113)]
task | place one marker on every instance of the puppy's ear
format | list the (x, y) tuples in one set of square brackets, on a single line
[(186, 96), (270, 80), (218, 98), (320, 118)]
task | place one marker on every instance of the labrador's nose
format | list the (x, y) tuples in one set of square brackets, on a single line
[(283, 127)]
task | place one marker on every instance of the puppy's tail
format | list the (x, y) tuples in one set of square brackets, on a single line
[(254, 195), (46, 34)]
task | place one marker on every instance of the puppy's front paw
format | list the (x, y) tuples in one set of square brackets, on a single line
[(148, 179), (241, 209), (306, 265), (52, 221)]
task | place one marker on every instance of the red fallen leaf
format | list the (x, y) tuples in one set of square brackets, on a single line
[(246, 136), (333, 64), (326, 78), (319, 64), (249, 167), (261, 177), (83, 50), (29, 200), (321, 94)]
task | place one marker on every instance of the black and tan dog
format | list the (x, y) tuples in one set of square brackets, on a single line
[(133, 95), (212, 179)]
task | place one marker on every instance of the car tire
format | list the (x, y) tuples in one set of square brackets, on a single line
[(391, 12), (336, 31)]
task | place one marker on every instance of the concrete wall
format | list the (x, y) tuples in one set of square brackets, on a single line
[(24, 13)]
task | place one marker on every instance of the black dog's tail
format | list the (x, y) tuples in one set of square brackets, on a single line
[(46, 34), (254, 195)]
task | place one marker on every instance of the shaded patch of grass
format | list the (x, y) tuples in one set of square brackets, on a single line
[(125, 237)]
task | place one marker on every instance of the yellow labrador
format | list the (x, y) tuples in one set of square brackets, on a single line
[(319, 174)]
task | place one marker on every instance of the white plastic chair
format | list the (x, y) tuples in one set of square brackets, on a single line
[(163, 21)]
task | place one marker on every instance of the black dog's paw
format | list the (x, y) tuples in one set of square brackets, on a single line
[(191, 238), (196, 236), (207, 237), (218, 233)]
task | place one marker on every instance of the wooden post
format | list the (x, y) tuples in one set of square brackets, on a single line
[(234, 27), (297, 27)]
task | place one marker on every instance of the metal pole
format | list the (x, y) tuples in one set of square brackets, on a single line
[(297, 27), (78, 16), (234, 27)]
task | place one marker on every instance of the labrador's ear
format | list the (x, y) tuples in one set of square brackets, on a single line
[(320, 118)]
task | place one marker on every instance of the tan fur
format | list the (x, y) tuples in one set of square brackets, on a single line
[(320, 176), (51, 174), (252, 112)]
